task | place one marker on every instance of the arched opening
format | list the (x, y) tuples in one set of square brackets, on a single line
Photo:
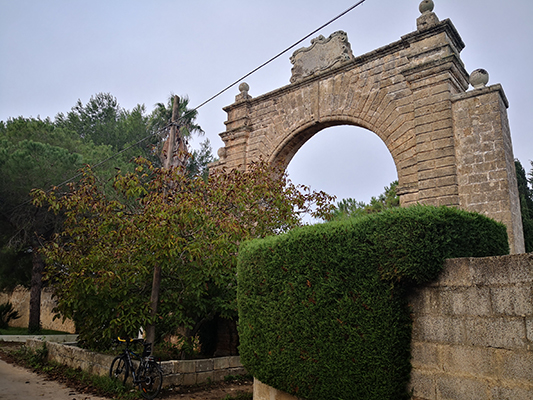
[(344, 161)]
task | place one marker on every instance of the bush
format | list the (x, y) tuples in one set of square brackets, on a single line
[(323, 309), (7, 313)]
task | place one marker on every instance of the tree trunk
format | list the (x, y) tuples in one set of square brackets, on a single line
[(34, 323)]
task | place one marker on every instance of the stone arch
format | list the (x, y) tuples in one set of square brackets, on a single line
[(450, 146), (283, 155), (287, 149)]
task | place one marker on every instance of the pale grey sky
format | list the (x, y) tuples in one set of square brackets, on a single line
[(54, 52)]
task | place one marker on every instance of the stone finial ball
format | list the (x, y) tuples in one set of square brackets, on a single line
[(243, 87), (479, 78), (426, 6)]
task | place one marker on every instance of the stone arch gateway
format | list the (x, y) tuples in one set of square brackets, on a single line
[(451, 146)]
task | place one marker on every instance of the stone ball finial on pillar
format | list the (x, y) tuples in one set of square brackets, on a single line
[(243, 88), (479, 78), (426, 6), (428, 17)]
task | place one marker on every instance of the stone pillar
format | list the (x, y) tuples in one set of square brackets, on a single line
[(235, 138), (435, 72), (485, 161)]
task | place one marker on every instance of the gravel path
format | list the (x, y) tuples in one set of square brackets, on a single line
[(19, 383)]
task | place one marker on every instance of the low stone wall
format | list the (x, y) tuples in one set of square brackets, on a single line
[(472, 333), (47, 338), (20, 298), (176, 372)]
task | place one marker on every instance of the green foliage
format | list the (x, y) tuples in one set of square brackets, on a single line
[(37, 153), (101, 264), (37, 358), (350, 208), (15, 268), (526, 205), (7, 313), (161, 117), (33, 154), (199, 160), (323, 310), (103, 122)]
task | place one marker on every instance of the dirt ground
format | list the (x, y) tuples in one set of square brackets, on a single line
[(35, 383)]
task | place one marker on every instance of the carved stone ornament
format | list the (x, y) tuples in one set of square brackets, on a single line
[(323, 54)]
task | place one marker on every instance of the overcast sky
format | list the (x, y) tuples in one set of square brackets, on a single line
[(54, 52)]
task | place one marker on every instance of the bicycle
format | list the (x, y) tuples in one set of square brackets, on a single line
[(148, 375)]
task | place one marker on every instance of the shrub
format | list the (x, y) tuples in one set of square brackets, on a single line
[(323, 309), (7, 313)]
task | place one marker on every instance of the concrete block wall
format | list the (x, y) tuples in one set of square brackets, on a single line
[(473, 331), (175, 372)]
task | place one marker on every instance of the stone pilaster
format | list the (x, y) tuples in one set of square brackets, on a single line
[(485, 161), (435, 73)]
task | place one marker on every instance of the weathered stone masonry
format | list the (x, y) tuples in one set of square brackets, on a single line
[(473, 331), (450, 146)]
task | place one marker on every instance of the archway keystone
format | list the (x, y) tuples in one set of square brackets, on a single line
[(450, 146)]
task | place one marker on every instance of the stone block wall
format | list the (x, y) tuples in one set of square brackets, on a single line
[(175, 372), (473, 331)]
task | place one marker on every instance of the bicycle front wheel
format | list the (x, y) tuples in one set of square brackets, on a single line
[(150, 380), (119, 369)]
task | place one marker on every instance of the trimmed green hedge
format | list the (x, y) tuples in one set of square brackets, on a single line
[(323, 311)]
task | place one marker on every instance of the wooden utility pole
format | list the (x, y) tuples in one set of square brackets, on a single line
[(173, 132), (156, 281), (154, 302)]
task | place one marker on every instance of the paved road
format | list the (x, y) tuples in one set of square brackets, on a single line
[(19, 383)]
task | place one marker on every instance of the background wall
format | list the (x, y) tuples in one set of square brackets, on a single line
[(20, 298)]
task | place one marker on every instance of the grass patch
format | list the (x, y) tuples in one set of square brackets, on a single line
[(239, 396)]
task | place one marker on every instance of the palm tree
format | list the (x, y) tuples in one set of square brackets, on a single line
[(161, 121)]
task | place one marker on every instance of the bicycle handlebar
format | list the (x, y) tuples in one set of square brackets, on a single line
[(130, 340)]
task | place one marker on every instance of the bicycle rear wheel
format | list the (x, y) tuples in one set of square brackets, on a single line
[(150, 380), (119, 369)]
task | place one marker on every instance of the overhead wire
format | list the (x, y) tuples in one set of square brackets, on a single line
[(188, 112), (281, 53)]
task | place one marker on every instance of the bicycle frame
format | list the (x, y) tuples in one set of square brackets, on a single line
[(148, 375)]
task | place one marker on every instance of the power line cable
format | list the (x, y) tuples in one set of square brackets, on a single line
[(281, 53), (214, 96)]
